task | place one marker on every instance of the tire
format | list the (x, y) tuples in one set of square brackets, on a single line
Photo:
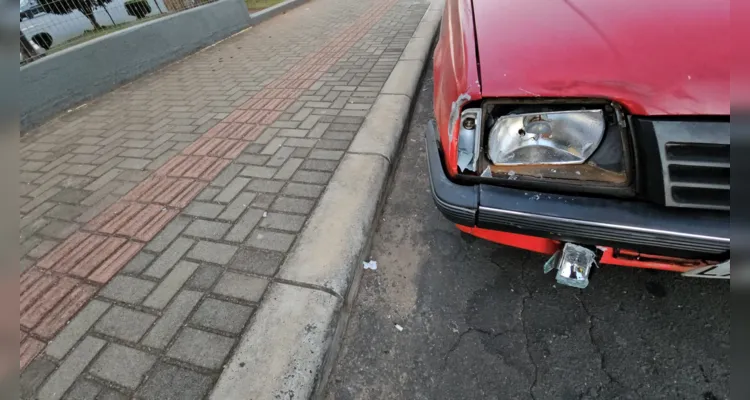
[(43, 40)]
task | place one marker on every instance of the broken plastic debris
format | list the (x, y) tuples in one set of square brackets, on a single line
[(573, 265), (399, 327), (552, 262), (464, 159), (486, 173), (265, 214), (372, 264), (456, 112)]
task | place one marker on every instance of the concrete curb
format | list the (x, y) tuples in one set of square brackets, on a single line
[(266, 13), (292, 343)]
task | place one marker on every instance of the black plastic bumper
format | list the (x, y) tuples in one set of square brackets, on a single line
[(617, 223)]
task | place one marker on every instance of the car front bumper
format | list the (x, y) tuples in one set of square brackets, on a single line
[(616, 223)]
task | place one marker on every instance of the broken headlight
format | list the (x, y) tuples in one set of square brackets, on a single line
[(561, 137), (580, 146)]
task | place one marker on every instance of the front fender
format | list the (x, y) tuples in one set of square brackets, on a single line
[(456, 75)]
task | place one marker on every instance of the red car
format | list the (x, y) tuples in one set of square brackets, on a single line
[(600, 124)]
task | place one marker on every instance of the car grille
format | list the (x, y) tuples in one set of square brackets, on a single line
[(695, 163)]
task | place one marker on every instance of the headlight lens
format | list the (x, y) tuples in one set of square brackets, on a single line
[(561, 137)]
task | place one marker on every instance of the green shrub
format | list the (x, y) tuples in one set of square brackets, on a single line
[(137, 8)]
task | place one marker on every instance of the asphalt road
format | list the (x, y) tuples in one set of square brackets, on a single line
[(482, 321)]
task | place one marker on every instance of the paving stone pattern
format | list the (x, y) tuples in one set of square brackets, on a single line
[(154, 218)]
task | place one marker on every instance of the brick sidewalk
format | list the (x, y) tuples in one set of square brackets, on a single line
[(153, 218)]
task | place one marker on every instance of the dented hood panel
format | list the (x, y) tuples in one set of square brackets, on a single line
[(666, 57)]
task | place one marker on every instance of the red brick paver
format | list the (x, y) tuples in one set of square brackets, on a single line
[(128, 216)]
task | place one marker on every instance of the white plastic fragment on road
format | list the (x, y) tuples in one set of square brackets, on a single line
[(399, 327), (372, 264)]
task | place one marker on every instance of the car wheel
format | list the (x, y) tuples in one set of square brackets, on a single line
[(44, 40)]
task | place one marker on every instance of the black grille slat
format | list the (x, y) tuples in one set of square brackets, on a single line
[(695, 162), (697, 152), (698, 174), (701, 196)]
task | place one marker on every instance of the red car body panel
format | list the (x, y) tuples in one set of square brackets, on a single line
[(666, 57), (455, 70), (669, 57)]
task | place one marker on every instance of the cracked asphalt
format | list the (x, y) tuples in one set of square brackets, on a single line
[(482, 321)]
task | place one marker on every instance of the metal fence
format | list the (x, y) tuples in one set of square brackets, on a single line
[(51, 25)]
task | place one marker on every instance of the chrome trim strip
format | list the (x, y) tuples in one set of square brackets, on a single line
[(605, 225)]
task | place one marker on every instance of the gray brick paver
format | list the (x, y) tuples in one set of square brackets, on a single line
[(231, 190), (127, 289), (124, 323), (207, 229), (222, 315), (168, 234), (237, 207), (171, 284), (169, 258), (212, 252), (122, 365), (240, 286), (173, 317), (33, 377), (70, 369), (204, 277), (201, 348), (245, 225), (270, 240), (75, 329), (170, 382), (256, 261)]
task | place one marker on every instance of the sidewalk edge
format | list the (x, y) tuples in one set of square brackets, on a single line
[(326, 260)]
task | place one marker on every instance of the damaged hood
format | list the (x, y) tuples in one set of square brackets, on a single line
[(666, 57)]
